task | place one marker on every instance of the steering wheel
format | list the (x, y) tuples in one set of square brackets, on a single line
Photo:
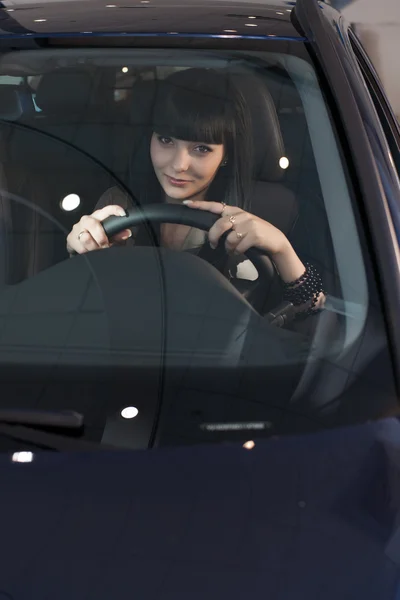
[(182, 215)]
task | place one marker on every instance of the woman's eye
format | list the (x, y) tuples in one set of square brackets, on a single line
[(203, 149), (164, 140)]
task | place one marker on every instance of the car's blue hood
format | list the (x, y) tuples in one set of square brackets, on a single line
[(310, 517)]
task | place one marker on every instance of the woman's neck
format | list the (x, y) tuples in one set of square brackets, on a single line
[(181, 237), (201, 196)]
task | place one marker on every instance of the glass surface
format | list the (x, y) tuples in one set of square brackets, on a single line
[(151, 342)]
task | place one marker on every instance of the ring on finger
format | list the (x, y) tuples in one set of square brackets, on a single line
[(223, 207), (239, 235), (81, 234), (232, 219)]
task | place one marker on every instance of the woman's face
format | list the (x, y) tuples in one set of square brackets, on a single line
[(184, 169)]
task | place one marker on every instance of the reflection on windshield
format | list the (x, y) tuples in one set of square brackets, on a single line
[(165, 271)]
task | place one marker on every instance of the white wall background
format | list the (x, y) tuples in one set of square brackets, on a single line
[(378, 26)]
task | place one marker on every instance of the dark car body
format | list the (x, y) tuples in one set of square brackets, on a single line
[(310, 516)]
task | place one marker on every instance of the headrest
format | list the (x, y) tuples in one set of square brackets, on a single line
[(268, 146), (67, 91), (143, 100), (15, 102)]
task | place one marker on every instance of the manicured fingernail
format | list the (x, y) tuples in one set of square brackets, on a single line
[(122, 213), (127, 236), (213, 246), (187, 202)]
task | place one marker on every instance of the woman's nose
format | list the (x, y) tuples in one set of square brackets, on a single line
[(181, 160)]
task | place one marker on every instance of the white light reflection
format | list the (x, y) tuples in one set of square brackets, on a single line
[(70, 202), (250, 25), (130, 412), (283, 162), (125, 69), (249, 445), (22, 457)]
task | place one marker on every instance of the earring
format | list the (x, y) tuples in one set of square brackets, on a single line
[(224, 162)]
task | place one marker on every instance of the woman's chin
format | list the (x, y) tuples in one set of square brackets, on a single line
[(179, 195)]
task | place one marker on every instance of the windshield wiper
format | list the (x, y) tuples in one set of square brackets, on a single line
[(26, 425), (67, 419)]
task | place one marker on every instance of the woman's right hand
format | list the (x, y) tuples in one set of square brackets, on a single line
[(88, 234)]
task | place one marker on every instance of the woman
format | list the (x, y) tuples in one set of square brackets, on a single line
[(200, 155)]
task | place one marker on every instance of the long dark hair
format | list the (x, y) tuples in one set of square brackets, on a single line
[(195, 105)]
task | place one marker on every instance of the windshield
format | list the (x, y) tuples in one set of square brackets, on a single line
[(172, 330)]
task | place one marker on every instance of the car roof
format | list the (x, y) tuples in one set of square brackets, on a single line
[(95, 18)]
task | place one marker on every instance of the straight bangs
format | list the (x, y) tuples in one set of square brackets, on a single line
[(193, 115)]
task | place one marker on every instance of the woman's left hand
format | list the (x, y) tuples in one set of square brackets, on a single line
[(248, 231)]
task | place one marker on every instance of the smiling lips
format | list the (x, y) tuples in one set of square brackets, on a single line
[(178, 182)]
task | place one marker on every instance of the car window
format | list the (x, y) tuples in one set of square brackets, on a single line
[(10, 80), (160, 340)]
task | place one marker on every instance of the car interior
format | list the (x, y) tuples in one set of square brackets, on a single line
[(80, 141), (68, 127)]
